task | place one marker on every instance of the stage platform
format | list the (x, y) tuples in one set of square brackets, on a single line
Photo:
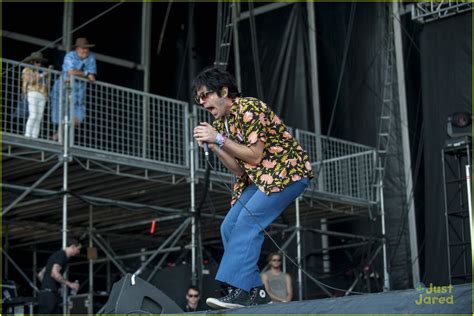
[(457, 300)]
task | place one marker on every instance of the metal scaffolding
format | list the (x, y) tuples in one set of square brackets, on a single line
[(427, 11), (114, 152), (132, 162)]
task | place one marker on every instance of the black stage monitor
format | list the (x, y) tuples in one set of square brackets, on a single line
[(133, 295)]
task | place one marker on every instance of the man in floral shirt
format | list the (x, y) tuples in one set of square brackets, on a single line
[(271, 168)]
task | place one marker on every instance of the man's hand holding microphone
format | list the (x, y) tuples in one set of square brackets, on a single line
[(205, 135)]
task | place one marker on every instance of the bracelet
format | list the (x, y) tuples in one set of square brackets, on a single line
[(220, 140)]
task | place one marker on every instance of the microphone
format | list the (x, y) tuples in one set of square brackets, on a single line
[(206, 150)]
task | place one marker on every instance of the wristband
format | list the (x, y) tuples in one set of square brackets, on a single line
[(220, 140)]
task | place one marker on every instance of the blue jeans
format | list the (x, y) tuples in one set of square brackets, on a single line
[(243, 237), (78, 108)]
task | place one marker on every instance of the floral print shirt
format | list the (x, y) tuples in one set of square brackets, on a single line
[(35, 80), (283, 162)]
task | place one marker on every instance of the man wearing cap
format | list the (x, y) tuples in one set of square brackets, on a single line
[(80, 63)]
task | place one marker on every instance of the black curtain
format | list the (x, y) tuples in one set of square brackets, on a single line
[(356, 116), (284, 60), (446, 70)]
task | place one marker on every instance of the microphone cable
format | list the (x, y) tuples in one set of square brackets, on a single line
[(322, 285)]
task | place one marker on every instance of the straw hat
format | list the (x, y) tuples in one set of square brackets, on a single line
[(83, 43), (35, 56)]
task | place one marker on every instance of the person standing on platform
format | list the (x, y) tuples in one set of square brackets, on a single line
[(272, 170), (34, 88), (277, 283), (52, 280), (81, 63)]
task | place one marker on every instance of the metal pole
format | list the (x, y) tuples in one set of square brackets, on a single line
[(405, 141), (145, 44), (446, 216), (339, 234), (90, 307), (7, 248), (145, 63), (193, 211), (235, 15), (314, 75), (469, 194), (298, 249), (192, 42), (386, 275), (68, 16), (135, 255), (285, 245), (325, 245), (35, 267), (256, 59), (65, 161), (109, 278)]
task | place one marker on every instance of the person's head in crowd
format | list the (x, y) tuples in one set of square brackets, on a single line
[(274, 260), (192, 297), (36, 59), (73, 247), (82, 47)]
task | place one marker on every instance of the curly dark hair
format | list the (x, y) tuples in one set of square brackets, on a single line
[(215, 78)]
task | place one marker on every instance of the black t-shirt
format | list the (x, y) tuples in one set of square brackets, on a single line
[(60, 258)]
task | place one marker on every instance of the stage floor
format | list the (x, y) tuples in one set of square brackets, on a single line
[(447, 300)]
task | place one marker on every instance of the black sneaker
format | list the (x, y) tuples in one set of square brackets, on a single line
[(259, 296), (235, 299)]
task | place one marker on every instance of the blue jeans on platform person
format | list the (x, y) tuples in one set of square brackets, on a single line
[(243, 237)]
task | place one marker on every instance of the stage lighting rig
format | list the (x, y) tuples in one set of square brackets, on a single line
[(459, 129)]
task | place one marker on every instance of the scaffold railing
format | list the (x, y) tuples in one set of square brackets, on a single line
[(15, 104), (345, 170), (133, 124), (128, 123)]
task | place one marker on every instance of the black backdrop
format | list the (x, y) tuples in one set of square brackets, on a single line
[(446, 73)]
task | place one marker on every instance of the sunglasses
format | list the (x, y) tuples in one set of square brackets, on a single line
[(276, 260), (202, 97), (36, 62), (193, 295)]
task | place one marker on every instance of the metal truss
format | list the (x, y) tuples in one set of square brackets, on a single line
[(425, 12)]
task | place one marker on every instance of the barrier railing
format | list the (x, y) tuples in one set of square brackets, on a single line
[(15, 113), (130, 123), (346, 168)]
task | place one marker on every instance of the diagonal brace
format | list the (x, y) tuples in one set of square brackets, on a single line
[(182, 227), (26, 192)]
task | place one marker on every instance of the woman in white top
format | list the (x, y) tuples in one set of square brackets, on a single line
[(35, 85)]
